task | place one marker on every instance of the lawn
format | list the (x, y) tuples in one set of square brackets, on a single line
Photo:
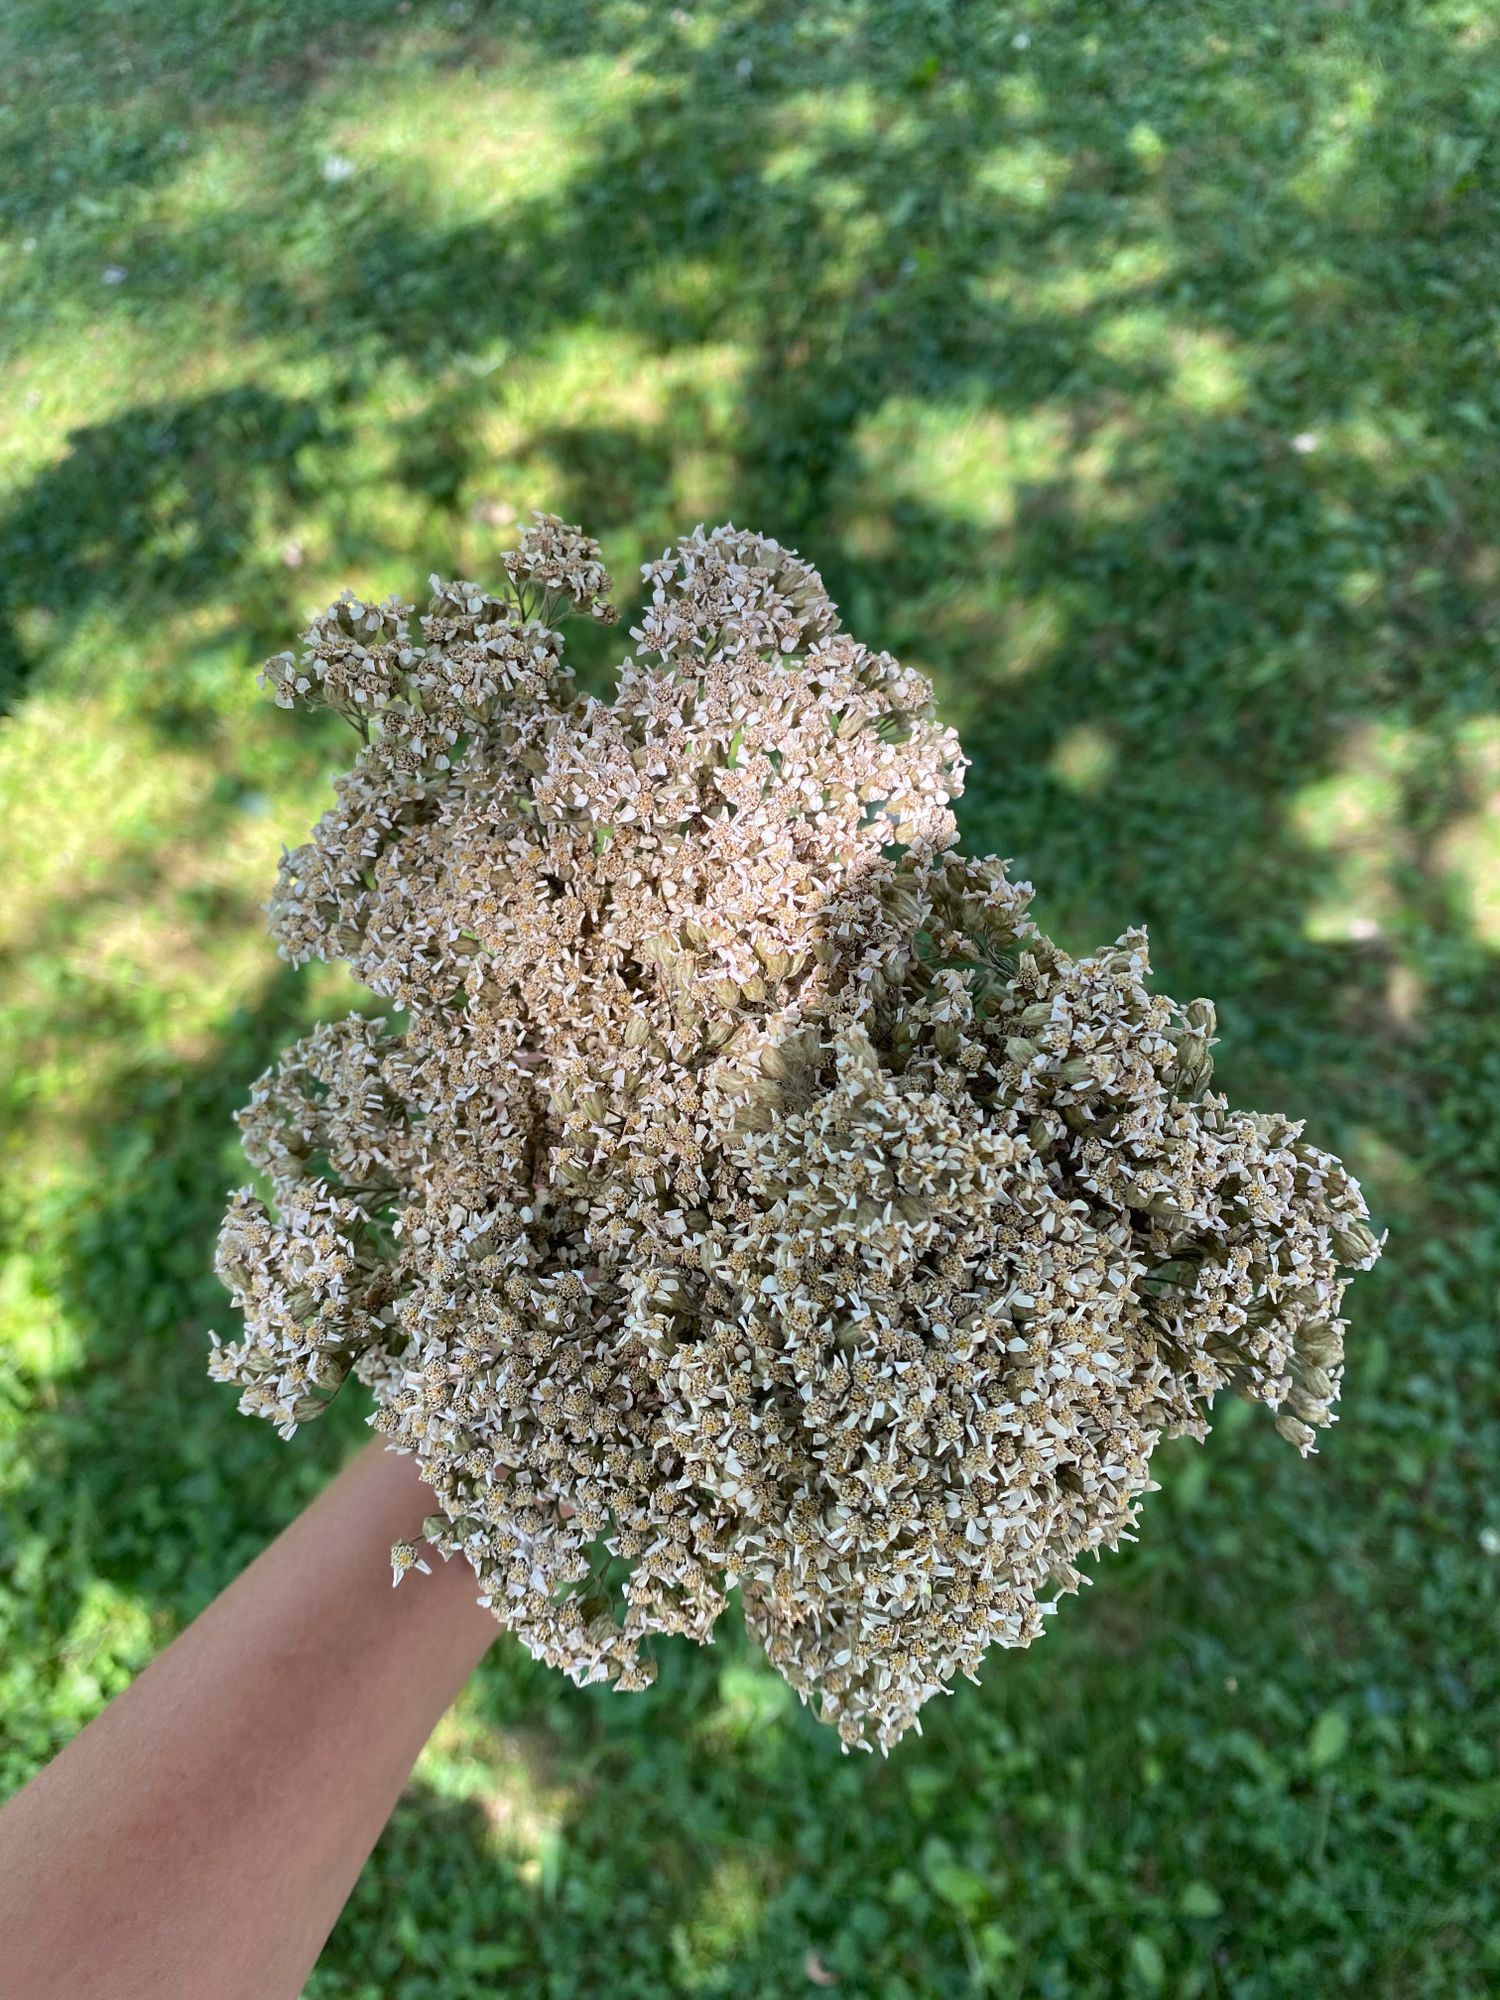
[(1132, 368)]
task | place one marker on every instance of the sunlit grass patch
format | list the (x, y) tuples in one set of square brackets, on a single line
[(806, 124), (461, 145), (111, 1638), (82, 782), (1207, 374), (1028, 172), (86, 371), (1469, 853), (722, 1923), (751, 1697), (511, 1777), (1354, 819), (973, 463), (1084, 758), (101, 812), (1468, 849), (649, 436), (1138, 266), (35, 1334), (1198, 366), (1334, 153)]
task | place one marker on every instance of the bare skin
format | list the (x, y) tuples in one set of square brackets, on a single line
[(198, 1840)]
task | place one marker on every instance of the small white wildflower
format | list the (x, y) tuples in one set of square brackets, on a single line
[(404, 1557), (337, 167), (115, 274), (1306, 441)]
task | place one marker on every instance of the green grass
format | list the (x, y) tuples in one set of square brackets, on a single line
[(1132, 369)]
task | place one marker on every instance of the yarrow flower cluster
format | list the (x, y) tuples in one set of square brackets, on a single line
[(753, 1195)]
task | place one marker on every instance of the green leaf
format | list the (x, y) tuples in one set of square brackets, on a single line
[(1470, 1802), (996, 1945), (924, 1786), (1327, 1738), (1198, 1899), (961, 1888), (1147, 1961)]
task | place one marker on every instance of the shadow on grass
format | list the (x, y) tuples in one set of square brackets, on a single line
[(171, 507), (1202, 595), (1220, 609)]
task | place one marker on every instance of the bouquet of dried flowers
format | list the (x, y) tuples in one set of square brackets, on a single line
[(751, 1193)]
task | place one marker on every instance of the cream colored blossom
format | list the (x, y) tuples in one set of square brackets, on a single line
[(755, 1196)]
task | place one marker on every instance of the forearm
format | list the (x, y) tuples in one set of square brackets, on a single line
[(199, 1838)]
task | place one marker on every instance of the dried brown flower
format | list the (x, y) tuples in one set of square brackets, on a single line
[(755, 1195)]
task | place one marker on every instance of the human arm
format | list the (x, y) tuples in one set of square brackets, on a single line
[(198, 1839)]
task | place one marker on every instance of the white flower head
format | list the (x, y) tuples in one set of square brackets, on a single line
[(754, 1195)]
